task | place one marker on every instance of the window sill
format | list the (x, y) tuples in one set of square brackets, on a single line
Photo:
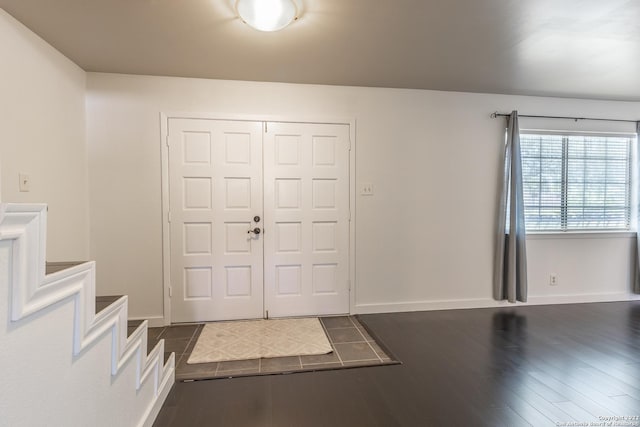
[(581, 235)]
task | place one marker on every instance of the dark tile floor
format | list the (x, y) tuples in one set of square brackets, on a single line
[(352, 346)]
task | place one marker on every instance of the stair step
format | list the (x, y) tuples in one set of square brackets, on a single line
[(104, 301), (54, 267), (153, 334), (55, 304)]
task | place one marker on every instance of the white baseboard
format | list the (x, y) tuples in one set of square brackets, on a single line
[(455, 304), (582, 298), (154, 322), (424, 305), (396, 307)]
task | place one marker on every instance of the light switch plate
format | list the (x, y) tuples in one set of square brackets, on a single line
[(25, 182)]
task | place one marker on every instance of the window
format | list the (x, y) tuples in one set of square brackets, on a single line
[(576, 182)]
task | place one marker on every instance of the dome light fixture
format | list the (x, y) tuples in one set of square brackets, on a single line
[(267, 15)]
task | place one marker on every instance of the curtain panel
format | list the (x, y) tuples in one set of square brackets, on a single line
[(510, 272)]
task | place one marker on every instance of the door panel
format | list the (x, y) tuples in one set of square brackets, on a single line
[(215, 190), (306, 200), (221, 268)]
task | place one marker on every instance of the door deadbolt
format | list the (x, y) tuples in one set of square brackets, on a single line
[(256, 218), (254, 231)]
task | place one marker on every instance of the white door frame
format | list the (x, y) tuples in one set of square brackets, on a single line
[(166, 236)]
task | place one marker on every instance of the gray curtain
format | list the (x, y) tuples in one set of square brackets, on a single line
[(636, 285), (510, 273)]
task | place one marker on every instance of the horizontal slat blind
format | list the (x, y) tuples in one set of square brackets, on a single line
[(576, 182), (542, 171)]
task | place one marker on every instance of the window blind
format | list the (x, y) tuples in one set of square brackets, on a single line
[(576, 182)]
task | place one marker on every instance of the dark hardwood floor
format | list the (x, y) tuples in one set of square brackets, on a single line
[(517, 366)]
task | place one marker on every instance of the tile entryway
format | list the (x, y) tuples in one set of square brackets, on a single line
[(352, 346)]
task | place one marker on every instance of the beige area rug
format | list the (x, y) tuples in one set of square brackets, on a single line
[(254, 339)]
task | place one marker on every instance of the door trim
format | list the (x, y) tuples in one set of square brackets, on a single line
[(166, 237)]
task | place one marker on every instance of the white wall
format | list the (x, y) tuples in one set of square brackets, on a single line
[(42, 125), (424, 240)]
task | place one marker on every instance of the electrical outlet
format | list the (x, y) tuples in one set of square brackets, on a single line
[(25, 182), (553, 279), (366, 189)]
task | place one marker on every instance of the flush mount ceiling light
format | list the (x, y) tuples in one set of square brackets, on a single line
[(267, 15)]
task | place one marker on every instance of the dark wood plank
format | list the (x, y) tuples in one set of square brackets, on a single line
[(526, 365), (528, 412)]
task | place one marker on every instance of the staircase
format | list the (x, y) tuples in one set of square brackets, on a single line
[(64, 364)]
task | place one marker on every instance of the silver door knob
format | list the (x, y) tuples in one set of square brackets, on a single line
[(254, 231)]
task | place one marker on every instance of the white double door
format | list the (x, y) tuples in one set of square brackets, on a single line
[(259, 219)]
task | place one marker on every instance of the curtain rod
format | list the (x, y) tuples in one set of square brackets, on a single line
[(496, 114)]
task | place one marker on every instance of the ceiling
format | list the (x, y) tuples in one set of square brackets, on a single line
[(573, 48)]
